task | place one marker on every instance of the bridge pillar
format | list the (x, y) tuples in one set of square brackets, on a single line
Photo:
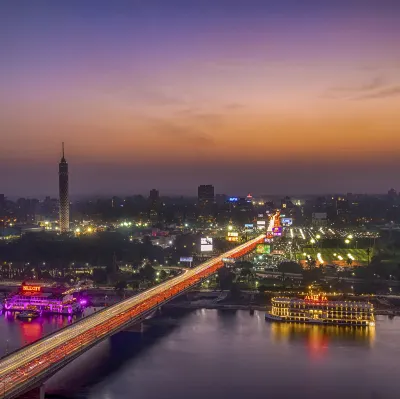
[(35, 393), (137, 328)]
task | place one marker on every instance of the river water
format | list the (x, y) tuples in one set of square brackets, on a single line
[(226, 354)]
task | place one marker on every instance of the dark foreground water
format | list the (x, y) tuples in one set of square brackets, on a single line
[(208, 354)]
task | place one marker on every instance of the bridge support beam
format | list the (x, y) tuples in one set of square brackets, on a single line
[(35, 393)]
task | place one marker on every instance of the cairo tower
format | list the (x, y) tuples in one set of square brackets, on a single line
[(64, 195)]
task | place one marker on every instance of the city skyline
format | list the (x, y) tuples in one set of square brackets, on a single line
[(252, 97)]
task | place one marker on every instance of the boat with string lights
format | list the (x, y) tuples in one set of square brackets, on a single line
[(317, 309), (30, 298)]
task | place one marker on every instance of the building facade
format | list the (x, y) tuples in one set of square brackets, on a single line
[(205, 194)]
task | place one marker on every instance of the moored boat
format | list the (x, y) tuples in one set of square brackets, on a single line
[(317, 309), (28, 314)]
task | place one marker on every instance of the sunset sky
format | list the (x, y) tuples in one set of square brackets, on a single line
[(267, 96)]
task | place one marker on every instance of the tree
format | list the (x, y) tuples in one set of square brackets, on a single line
[(312, 276), (99, 275), (312, 263), (147, 272), (349, 261), (289, 267), (225, 278), (121, 285), (163, 275), (235, 291), (262, 288), (246, 273)]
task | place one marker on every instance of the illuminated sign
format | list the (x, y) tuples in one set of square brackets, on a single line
[(206, 244), (233, 234), (232, 239), (316, 298), (249, 226), (278, 252), (228, 260), (260, 215), (263, 249), (233, 199), (287, 221), (277, 231), (31, 288), (261, 223), (186, 259)]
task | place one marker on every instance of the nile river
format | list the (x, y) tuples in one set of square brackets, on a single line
[(207, 354)]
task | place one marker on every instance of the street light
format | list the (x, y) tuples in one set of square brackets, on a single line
[(347, 241)]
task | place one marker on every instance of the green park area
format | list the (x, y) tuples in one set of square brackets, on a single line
[(337, 255)]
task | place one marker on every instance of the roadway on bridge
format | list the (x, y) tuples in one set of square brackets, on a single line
[(34, 363)]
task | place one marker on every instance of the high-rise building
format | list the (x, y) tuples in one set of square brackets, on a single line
[(64, 193), (154, 205), (154, 196), (205, 194)]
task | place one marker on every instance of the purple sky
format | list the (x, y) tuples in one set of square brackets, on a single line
[(263, 96)]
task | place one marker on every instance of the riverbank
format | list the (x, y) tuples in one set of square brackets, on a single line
[(198, 301)]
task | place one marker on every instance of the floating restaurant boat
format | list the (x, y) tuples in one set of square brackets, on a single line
[(28, 314), (317, 309), (31, 298)]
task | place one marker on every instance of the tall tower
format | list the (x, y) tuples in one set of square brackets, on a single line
[(63, 190)]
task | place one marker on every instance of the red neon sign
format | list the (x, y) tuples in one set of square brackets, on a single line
[(316, 298), (31, 288)]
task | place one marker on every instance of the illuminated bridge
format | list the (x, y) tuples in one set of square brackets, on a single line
[(23, 372)]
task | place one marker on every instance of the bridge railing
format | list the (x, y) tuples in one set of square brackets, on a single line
[(53, 359)]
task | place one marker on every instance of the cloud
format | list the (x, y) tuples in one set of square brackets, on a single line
[(340, 91), (235, 106), (374, 89), (384, 93), (181, 134)]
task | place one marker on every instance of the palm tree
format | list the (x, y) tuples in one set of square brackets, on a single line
[(349, 261)]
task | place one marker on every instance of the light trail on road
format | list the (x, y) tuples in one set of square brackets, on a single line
[(29, 364)]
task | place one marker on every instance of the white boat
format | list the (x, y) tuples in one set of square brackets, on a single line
[(28, 314)]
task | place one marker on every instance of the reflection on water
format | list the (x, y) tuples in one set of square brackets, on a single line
[(217, 354), (319, 338), (16, 332)]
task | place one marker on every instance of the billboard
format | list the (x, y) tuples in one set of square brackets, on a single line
[(261, 224), (263, 249), (186, 259), (233, 199), (206, 244), (233, 236), (277, 231), (249, 225), (286, 221)]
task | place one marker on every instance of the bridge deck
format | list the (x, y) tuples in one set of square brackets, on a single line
[(33, 364)]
